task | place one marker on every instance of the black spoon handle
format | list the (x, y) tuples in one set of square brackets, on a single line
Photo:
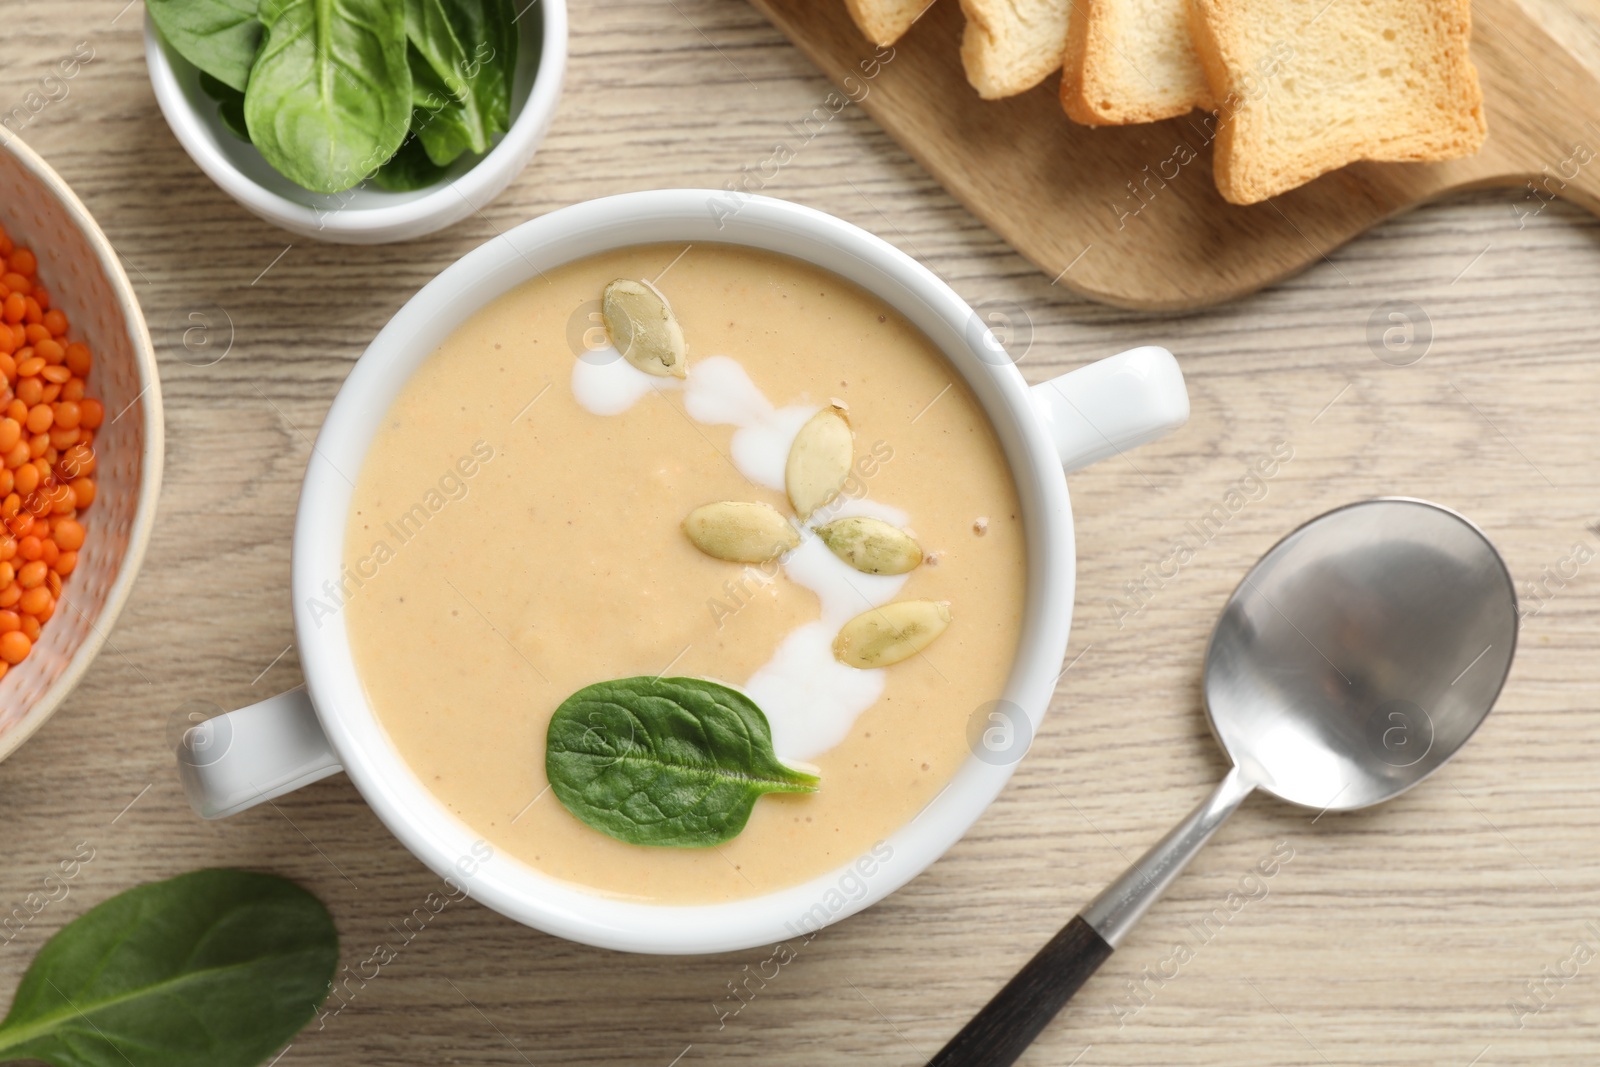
[(1007, 1025)]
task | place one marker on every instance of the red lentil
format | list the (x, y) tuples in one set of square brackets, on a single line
[(47, 429)]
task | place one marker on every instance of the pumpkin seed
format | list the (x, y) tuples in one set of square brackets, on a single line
[(871, 546), (740, 532), (819, 461), (642, 327), (884, 636)]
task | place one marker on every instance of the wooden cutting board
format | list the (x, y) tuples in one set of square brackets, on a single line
[(1110, 213)]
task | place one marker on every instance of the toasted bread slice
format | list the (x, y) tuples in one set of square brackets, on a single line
[(1012, 45), (883, 21), (1306, 86), (1131, 61)]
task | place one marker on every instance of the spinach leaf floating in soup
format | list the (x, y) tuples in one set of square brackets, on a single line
[(215, 968), (664, 761)]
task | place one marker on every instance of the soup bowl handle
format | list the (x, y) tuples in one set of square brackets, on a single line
[(1113, 405), (241, 759)]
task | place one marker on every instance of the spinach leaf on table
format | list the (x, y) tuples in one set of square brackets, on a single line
[(218, 36), (463, 56), (216, 968), (664, 761), (329, 96)]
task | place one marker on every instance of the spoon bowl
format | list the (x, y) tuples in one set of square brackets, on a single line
[(1360, 653)]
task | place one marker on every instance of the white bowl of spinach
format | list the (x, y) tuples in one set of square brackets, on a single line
[(364, 121)]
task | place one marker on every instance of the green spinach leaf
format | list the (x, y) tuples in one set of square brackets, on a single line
[(218, 36), (230, 104), (329, 97), (216, 968), (409, 169), (664, 761), (463, 54)]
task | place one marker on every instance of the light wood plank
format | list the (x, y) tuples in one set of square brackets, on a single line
[(1394, 937)]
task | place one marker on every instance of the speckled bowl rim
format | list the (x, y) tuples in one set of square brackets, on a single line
[(144, 515)]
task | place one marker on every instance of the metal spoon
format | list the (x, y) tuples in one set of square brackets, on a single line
[(1353, 660)]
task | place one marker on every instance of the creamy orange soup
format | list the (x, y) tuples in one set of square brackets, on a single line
[(513, 546)]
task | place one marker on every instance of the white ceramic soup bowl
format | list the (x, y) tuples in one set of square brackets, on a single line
[(236, 760), (367, 214)]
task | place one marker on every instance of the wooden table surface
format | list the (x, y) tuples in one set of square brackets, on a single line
[(1404, 935)]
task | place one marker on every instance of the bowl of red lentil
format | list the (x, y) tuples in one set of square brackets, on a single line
[(80, 440)]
